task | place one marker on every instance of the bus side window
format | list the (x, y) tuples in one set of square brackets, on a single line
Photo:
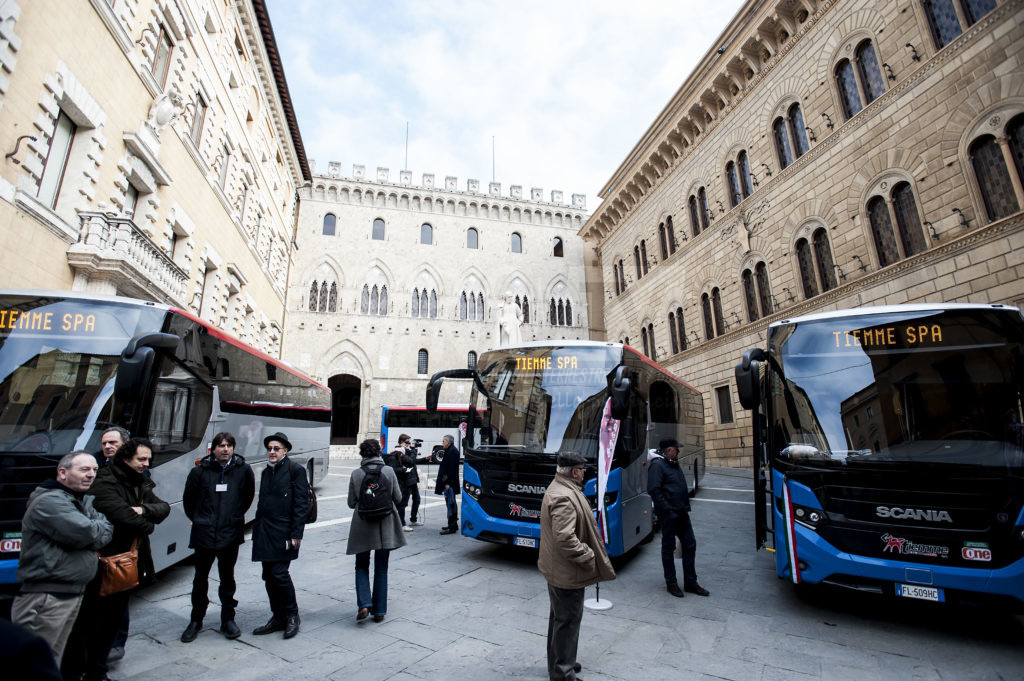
[(180, 413)]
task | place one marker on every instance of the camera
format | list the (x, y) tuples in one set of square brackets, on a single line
[(414, 446)]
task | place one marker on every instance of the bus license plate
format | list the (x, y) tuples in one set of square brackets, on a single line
[(924, 593), (528, 542)]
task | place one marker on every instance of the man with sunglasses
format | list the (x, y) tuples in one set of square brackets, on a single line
[(277, 533)]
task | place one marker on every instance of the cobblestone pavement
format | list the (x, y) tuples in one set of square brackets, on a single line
[(462, 609)]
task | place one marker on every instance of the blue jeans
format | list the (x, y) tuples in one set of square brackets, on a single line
[(453, 508), (377, 601)]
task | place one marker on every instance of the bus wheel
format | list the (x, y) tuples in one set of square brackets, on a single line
[(437, 455), (696, 482)]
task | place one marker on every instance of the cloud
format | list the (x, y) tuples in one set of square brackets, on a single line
[(564, 89)]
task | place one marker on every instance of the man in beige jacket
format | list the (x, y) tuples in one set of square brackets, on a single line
[(572, 557)]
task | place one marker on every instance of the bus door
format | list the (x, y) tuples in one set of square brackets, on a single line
[(750, 388)]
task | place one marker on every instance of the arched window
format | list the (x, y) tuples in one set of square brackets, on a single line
[(615, 271), (374, 299), (433, 304), (782, 145), (709, 325), (378, 230), (332, 301), (882, 232), (805, 261), (643, 254), (622, 274), (862, 85), (526, 310), (426, 234), (643, 339), (414, 308), (517, 243), (322, 306), (663, 242), (746, 180), (798, 130), (790, 135), (422, 362), (901, 210), (568, 313), (650, 338), (557, 248), (636, 262), (472, 307), (694, 218), (870, 73), (750, 295), (472, 238), (364, 300), (764, 292), (463, 306), (991, 173), (734, 184), (552, 313), (671, 232), (944, 22), (424, 310), (314, 293), (846, 82), (471, 360), (702, 206), (673, 334), (716, 303), (682, 328), (561, 313), (382, 310), (480, 306), (823, 256), (330, 221)]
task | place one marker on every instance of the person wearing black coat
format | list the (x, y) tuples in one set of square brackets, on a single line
[(218, 492), (666, 483), (448, 483), (280, 520), (124, 494)]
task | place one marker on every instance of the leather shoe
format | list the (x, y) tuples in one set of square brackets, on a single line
[(291, 627), (699, 590), (448, 530), (230, 629), (269, 628), (577, 668), (378, 618), (191, 631), (675, 590), (363, 613)]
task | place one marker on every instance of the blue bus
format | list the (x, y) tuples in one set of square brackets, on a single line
[(536, 399), (74, 364), (888, 450)]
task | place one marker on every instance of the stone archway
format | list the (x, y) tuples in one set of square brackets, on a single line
[(346, 393)]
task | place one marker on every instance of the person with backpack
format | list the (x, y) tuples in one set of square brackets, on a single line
[(281, 514), (374, 494)]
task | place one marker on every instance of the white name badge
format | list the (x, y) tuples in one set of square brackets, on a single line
[(221, 487)]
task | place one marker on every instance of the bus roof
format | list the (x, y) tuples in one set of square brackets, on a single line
[(890, 309)]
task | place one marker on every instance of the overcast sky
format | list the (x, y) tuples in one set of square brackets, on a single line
[(564, 87)]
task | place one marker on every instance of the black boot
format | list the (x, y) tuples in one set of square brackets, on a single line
[(191, 631), (291, 626)]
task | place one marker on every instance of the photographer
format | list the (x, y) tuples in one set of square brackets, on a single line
[(409, 478)]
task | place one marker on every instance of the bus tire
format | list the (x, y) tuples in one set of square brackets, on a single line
[(309, 471), (437, 454), (696, 480)]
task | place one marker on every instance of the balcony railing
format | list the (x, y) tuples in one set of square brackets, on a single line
[(112, 248)]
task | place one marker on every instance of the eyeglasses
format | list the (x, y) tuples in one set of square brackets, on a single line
[(275, 449), (580, 468)]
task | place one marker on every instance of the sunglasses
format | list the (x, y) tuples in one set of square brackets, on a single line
[(275, 449)]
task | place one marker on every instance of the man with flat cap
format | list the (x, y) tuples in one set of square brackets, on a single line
[(572, 556), (277, 533), (666, 483)]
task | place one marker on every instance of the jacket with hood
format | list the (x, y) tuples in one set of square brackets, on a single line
[(60, 534), (386, 533), (218, 518), (666, 483)]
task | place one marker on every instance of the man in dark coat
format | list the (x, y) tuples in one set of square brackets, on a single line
[(666, 483), (218, 492), (448, 483), (280, 520), (394, 460)]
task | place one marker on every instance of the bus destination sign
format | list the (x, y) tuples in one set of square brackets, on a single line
[(895, 336), (47, 321)]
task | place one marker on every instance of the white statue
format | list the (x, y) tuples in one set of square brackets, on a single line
[(510, 319)]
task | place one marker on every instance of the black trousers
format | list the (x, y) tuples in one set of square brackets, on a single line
[(678, 525), (280, 589), (563, 631), (414, 492), (93, 634), (226, 558)]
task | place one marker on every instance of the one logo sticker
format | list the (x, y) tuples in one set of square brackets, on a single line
[(10, 545), (976, 553), (907, 547)]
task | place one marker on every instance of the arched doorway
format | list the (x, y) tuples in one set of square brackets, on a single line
[(345, 393)]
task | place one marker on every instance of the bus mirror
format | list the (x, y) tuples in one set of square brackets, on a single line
[(136, 363), (747, 380), (433, 391), (620, 393), (434, 386)]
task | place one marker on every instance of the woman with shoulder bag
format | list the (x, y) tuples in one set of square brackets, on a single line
[(379, 535), (123, 492)]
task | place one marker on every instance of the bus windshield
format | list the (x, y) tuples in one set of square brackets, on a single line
[(544, 399), (58, 358), (908, 387)]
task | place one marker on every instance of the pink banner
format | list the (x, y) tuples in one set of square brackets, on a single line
[(609, 436)]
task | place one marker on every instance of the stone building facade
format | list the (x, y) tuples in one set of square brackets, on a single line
[(395, 281), (151, 150), (824, 154)]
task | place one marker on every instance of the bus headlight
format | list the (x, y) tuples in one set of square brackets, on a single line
[(471, 489), (808, 517)]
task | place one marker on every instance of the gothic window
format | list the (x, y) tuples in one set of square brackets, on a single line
[(622, 274), (526, 310), (682, 328), (480, 306), (746, 179), (643, 339), (472, 238), (557, 248), (378, 230), (882, 232), (908, 222), (568, 313), (314, 293), (414, 308), (364, 300), (709, 326), (636, 262), (472, 307), (673, 334), (750, 295), (716, 303), (823, 256), (330, 221), (702, 205), (463, 306), (805, 261), (671, 233), (433, 304), (993, 176), (552, 313), (694, 218), (650, 337), (763, 291), (322, 307), (517, 242), (471, 360), (615, 271), (561, 313), (426, 234), (421, 361), (374, 299), (332, 301), (734, 184), (643, 254)]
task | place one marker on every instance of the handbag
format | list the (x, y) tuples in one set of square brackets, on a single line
[(120, 572)]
